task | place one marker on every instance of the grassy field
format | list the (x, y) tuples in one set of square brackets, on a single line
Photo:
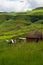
[(15, 25), (21, 53)]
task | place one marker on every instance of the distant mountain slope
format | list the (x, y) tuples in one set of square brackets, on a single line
[(15, 24), (38, 8)]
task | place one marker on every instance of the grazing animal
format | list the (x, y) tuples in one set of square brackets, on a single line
[(13, 41), (7, 40), (10, 42)]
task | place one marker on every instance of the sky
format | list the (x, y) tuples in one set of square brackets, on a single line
[(19, 5)]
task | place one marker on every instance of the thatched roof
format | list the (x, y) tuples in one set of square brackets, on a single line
[(35, 34)]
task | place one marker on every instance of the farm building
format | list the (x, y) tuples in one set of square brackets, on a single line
[(35, 36), (22, 40)]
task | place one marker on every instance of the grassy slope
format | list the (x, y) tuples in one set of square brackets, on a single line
[(16, 24), (21, 54)]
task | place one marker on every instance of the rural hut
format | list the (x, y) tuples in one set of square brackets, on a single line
[(35, 35), (22, 40)]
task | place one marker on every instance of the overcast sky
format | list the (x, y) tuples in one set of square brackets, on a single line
[(19, 5)]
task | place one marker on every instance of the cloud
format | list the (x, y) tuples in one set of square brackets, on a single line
[(39, 2), (19, 5), (35, 3)]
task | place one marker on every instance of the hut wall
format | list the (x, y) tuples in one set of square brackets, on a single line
[(32, 40), (29, 40)]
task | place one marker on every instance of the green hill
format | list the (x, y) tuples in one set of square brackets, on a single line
[(19, 24), (38, 8)]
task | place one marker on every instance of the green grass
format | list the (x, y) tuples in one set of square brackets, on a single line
[(19, 24), (21, 53), (15, 25)]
